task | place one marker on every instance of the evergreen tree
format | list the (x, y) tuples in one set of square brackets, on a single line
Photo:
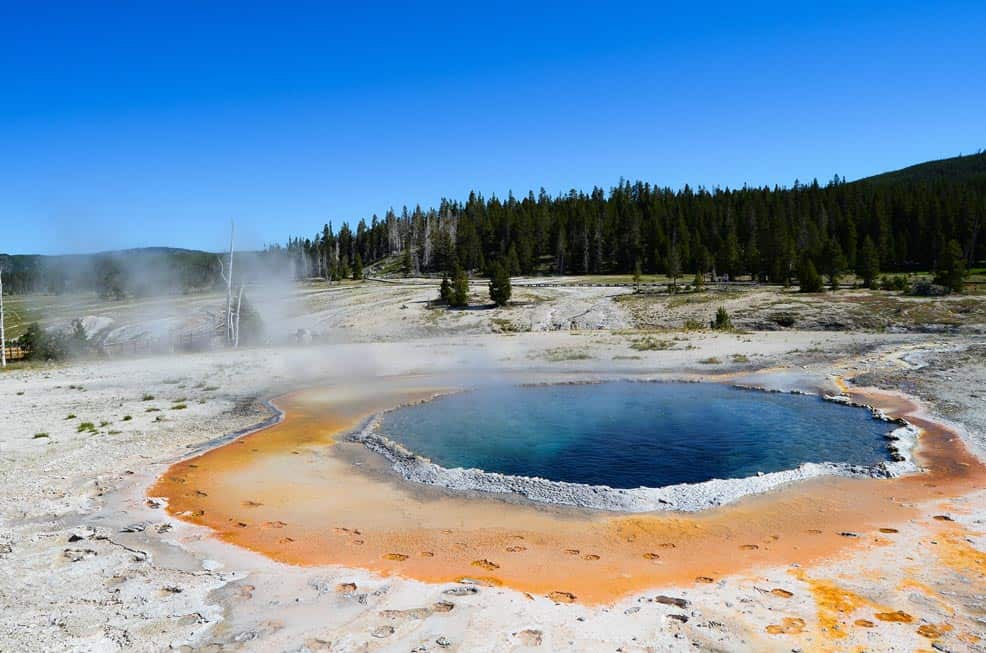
[(513, 262), (808, 278), (674, 265), (460, 289), (406, 264), (835, 263), (445, 290), (951, 267), (358, 268), (499, 285), (868, 268), (722, 321)]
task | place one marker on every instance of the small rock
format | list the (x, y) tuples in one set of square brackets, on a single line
[(383, 631), (679, 617), (443, 642), (461, 591), (76, 555), (633, 610), (848, 534), (671, 600), (81, 533)]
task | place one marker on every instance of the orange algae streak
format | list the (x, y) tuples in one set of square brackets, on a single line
[(287, 493)]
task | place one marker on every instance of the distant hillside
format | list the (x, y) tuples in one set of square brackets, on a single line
[(971, 167), (141, 271)]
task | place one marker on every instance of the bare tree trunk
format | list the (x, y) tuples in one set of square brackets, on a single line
[(227, 275), (236, 331), (3, 333)]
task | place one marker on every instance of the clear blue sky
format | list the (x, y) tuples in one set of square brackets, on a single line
[(127, 124)]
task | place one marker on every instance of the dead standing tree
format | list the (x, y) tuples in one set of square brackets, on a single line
[(3, 333), (232, 315)]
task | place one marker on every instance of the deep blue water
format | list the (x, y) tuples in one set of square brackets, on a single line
[(625, 434)]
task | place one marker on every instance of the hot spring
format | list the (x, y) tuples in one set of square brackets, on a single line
[(629, 435)]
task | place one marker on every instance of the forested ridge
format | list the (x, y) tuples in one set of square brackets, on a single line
[(898, 221), (903, 220)]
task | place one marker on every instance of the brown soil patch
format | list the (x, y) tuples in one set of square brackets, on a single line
[(788, 626)]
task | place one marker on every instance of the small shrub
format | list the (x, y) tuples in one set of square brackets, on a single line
[(114, 432), (127, 418), (927, 289), (740, 358), (86, 426), (693, 325), (104, 424), (711, 360), (153, 410), (179, 407), (894, 282), (147, 397), (40, 435), (70, 416)]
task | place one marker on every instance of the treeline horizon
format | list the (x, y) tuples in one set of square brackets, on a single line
[(903, 223)]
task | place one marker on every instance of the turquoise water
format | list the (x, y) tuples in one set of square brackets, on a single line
[(626, 435)]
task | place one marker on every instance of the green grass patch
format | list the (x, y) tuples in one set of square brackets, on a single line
[(179, 406), (41, 435), (86, 426), (651, 344), (559, 354)]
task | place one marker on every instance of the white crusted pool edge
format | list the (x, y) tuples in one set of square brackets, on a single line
[(683, 497)]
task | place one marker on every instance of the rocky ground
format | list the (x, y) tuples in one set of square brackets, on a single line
[(87, 565)]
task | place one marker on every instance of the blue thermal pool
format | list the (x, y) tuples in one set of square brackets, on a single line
[(626, 434)]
